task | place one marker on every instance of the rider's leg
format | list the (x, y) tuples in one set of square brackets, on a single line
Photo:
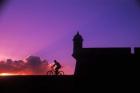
[(56, 71)]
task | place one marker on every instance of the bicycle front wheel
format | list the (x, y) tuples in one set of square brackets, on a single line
[(61, 73)]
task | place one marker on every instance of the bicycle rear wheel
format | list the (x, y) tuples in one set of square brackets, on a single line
[(50, 73)]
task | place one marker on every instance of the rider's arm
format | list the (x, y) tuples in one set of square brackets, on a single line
[(53, 65)]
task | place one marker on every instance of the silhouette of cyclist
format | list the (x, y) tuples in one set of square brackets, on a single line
[(57, 66)]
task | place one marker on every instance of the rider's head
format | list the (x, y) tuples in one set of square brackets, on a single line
[(55, 61)]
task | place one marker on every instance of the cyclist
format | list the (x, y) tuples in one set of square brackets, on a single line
[(57, 66)]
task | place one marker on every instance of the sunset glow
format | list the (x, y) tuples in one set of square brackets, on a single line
[(8, 74), (15, 74)]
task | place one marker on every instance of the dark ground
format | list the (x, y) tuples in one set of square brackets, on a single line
[(39, 84), (69, 84)]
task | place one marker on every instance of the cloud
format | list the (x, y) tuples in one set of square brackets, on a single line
[(32, 66)]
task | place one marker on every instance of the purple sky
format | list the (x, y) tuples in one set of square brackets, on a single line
[(46, 27)]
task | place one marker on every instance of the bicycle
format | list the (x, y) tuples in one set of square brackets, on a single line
[(52, 72)]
